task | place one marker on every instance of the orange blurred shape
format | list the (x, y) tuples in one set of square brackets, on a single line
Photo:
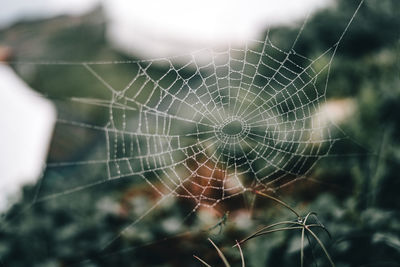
[(206, 184), (5, 53)]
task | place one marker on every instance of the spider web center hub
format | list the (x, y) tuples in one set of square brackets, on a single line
[(232, 130)]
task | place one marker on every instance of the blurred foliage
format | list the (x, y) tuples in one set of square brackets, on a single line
[(355, 195)]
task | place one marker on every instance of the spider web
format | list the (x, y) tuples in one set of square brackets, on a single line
[(211, 125)]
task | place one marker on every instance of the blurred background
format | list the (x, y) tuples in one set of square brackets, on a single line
[(50, 218)]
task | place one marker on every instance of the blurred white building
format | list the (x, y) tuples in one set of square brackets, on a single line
[(27, 122)]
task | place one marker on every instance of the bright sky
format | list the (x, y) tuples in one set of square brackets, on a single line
[(159, 28)]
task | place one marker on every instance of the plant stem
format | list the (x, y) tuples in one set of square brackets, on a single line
[(278, 201)]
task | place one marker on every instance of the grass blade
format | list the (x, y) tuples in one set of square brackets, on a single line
[(199, 259), (241, 254), (277, 201), (302, 248), (221, 255), (322, 246), (264, 228)]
